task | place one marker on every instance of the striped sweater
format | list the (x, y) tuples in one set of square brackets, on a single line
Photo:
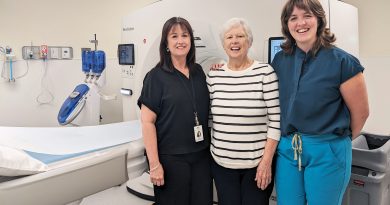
[(244, 112)]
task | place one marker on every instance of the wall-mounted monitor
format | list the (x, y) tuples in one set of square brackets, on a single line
[(274, 47), (126, 54)]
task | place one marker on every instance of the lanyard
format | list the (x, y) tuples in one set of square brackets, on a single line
[(193, 96)]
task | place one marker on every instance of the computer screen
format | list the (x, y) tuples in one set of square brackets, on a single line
[(126, 54), (274, 47)]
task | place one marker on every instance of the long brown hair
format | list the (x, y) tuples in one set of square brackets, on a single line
[(324, 37), (165, 56)]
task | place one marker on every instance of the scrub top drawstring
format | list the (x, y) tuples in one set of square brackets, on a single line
[(296, 144)]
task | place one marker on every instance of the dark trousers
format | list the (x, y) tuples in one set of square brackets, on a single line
[(187, 180), (238, 186)]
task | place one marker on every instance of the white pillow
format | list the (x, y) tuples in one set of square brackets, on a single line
[(14, 162)]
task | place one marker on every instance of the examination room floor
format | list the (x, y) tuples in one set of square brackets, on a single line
[(114, 196), (118, 196)]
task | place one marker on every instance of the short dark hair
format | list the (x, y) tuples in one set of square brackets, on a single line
[(324, 37), (165, 56)]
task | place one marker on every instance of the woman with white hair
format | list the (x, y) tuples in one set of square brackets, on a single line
[(245, 118)]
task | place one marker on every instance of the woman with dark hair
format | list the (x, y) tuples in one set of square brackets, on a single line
[(324, 105), (174, 113)]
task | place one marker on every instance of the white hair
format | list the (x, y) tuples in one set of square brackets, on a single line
[(235, 22)]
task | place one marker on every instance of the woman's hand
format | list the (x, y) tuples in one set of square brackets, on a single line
[(263, 174), (157, 175), (216, 66)]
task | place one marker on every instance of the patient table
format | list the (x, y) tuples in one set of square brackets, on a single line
[(105, 156)]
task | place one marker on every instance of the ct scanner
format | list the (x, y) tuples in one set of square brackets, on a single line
[(142, 30)]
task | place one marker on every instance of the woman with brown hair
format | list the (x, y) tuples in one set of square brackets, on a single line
[(324, 105)]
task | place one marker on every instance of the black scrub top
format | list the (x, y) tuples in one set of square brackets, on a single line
[(169, 94)]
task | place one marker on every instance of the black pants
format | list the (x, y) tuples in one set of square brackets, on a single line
[(187, 180), (238, 186)]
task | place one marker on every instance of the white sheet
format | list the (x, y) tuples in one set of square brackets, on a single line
[(16, 162), (69, 140)]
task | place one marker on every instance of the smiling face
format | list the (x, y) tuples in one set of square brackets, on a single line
[(179, 41), (302, 26), (236, 43)]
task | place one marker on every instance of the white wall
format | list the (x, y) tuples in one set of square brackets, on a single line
[(374, 27), (374, 31), (73, 23), (377, 75), (64, 23), (59, 23)]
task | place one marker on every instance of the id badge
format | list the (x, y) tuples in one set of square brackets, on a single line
[(198, 132)]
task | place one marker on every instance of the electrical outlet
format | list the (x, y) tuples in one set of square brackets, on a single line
[(65, 53)]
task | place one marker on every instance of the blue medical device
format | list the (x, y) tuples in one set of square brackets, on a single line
[(93, 61), (93, 65), (73, 105), (98, 62), (86, 59)]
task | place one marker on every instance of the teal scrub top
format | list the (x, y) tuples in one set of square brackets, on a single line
[(309, 90)]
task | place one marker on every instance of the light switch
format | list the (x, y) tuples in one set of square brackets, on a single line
[(54, 53)]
